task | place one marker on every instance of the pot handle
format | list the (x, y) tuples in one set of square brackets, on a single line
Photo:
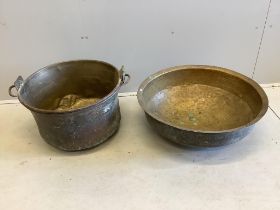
[(17, 84), (125, 77)]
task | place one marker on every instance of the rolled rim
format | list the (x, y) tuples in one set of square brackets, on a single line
[(246, 79), (46, 111)]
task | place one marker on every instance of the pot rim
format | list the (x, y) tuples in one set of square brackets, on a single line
[(97, 104), (246, 79)]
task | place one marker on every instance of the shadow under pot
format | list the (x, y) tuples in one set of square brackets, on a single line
[(75, 104)]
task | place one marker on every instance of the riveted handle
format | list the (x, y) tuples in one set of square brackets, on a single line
[(125, 77), (17, 84)]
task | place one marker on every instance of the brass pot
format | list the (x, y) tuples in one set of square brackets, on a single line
[(75, 103)]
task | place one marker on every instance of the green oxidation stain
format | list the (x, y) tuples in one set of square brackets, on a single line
[(192, 118)]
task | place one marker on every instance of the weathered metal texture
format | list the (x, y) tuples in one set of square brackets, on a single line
[(203, 106), (75, 103), (80, 130), (192, 138)]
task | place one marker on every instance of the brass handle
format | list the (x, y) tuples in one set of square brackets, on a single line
[(17, 84), (125, 77)]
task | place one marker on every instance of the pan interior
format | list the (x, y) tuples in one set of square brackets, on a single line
[(202, 100), (69, 85)]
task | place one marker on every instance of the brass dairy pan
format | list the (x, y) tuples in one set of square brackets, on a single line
[(202, 105)]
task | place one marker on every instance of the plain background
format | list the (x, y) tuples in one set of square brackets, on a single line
[(144, 35)]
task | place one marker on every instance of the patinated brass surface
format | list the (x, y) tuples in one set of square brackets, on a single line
[(75, 103), (201, 105), (72, 102)]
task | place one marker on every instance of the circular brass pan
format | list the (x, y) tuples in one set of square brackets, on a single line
[(202, 105)]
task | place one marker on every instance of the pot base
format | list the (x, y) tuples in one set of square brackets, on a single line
[(76, 133)]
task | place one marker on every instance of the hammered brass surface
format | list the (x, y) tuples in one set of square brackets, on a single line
[(201, 107), (202, 98), (74, 103), (71, 102)]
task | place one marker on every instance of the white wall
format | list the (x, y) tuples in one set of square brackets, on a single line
[(144, 35), (268, 64)]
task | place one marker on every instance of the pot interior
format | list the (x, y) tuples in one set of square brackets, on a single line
[(202, 99), (69, 85)]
